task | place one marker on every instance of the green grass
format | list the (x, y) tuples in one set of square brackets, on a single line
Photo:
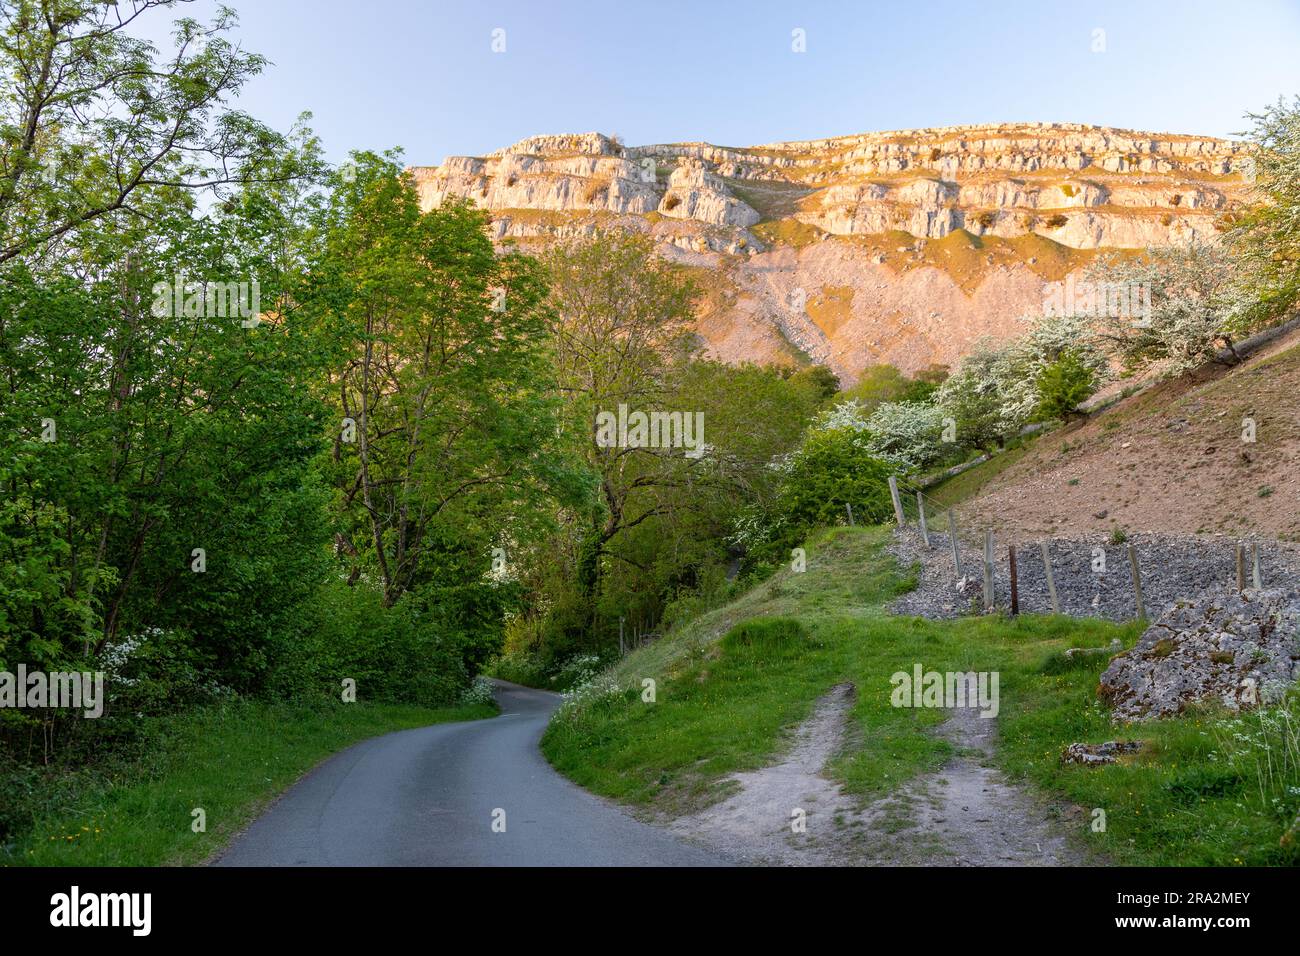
[(733, 684), (230, 760), (972, 481)]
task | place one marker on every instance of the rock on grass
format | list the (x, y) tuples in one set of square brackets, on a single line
[(1238, 650)]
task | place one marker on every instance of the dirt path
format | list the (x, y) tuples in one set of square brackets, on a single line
[(966, 814)]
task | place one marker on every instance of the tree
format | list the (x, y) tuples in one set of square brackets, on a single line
[(973, 397), (878, 384), (908, 434), (1046, 341), (833, 468), (89, 117), (622, 321), (1063, 385), (174, 485), (1196, 308), (821, 378), (445, 429), (1267, 238)]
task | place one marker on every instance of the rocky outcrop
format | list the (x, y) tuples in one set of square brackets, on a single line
[(695, 193), (1004, 210), (1237, 650)]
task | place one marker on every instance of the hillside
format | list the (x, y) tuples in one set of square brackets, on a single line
[(1169, 459), (902, 247)]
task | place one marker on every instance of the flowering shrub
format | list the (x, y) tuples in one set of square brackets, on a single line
[(576, 671), (478, 692), (908, 434)]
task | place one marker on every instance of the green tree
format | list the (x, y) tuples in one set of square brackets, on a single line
[(623, 317), (90, 115), (1267, 238), (444, 427)]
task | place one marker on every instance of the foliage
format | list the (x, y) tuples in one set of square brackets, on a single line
[(91, 118), (1197, 308), (908, 434), (1062, 385), (1266, 239), (974, 397)]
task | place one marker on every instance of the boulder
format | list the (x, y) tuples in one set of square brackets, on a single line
[(1238, 650)]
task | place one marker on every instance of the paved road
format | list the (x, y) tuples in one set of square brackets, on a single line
[(426, 797)]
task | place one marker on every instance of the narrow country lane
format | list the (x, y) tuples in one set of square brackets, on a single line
[(426, 797)]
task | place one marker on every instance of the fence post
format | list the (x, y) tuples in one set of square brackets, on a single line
[(1015, 593), (621, 650), (920, 507), (898, 502), (1051, 581), (849, 506), (1241, 567), (1254, 569), (988, 570), (956, 549), (1137, 582)]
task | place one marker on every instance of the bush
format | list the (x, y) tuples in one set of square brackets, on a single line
[(766, 634), (398, 653), (1062, 386), (908, 433)]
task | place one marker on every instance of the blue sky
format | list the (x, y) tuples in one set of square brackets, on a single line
[(423, 76)]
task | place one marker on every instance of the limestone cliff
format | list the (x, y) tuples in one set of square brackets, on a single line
[(902, 247)]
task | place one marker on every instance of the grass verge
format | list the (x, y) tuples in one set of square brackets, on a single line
[(230, 760), (727, 700)]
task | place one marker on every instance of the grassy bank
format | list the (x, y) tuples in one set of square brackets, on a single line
[(729, 693), (230, 760)]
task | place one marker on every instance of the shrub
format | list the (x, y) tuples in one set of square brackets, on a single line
[(766, 634), (910, 434), (1063, 385)]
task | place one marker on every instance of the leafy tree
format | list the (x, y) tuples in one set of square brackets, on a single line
[(90, 116), (973, 397), (908, 434), (171, 432), (878, 384), (1267, 238), (1047, 339), (1197, 308), (622, 318), (444, 431), (833, 468), (825, 382)]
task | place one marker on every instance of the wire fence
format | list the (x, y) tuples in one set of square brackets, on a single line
[(1125, 577)]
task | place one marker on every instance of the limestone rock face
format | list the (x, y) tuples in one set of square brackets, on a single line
[(907, 245), (1238, 650), (695, 193)]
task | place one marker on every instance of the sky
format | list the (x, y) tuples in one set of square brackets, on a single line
[(423, 75)]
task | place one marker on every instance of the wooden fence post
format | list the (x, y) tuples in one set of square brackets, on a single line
[(956, 548), (1051, 581), (1015, 593), (1137, 582), (849, 506), (1254, 566), (621, 650), (920, 507), (898, 502), (988, 571), (1241, 567)]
